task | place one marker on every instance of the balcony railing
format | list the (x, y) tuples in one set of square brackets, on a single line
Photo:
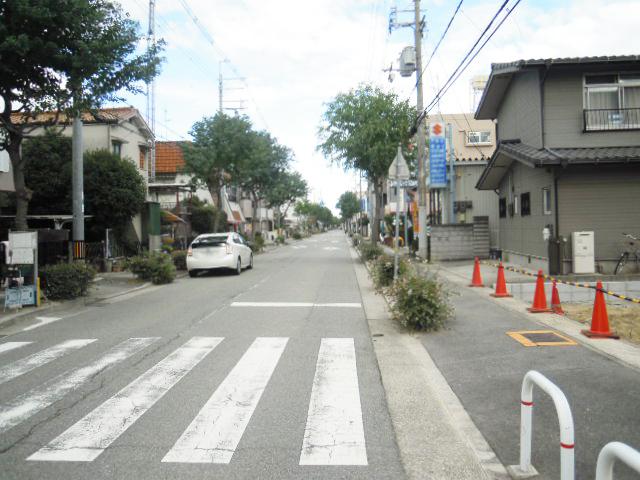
[(606, 119)]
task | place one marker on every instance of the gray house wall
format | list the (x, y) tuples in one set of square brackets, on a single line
[(602, 199), (484, 203), (519, 115), (523, 234), (563, 115)]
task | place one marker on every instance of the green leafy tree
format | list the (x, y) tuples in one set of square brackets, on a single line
[(349, 205), (259, 171), (48, 173), (361, 130), (220, 144), (67, 56), (114, 190), (284, 190), (206, 218)]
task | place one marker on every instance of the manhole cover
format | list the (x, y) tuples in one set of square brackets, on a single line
[(541, 338)]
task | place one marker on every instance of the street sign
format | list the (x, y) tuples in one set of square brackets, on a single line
[(408, 183), (437, 156), (399, 170), (23, 247)]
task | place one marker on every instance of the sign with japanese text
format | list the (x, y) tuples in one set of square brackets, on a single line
[(437, 156)]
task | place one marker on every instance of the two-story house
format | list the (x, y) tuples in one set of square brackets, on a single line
[(567, 158)]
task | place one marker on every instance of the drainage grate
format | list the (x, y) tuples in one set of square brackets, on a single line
[(541, 338)]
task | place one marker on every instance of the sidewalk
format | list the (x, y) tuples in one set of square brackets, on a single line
[(436, 438), (105, 285), (485, 368)]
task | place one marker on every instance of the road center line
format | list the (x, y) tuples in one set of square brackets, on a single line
[(25, 365), (89, 437), (296, 304), (334, 434), (214, 434), (39, 398)]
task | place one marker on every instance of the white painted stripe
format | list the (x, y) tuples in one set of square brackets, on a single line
[(89, 437), (214, 434), (24, 365), (7, 347), (339, 305), (23, 407), (41, 321), (334, 434), (295, 304)]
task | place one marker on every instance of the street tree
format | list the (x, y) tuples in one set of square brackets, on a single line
[(286, 188), (65, 56), (361, 130), (349, 205), (220, 144), (259, 171)]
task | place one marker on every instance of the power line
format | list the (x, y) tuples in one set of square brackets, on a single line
[(457, 72), (476, 53), (444, 34)]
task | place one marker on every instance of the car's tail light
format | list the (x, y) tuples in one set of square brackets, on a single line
[(229, 250), (189, 252)]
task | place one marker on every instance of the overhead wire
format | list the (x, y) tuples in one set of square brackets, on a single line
[(469, 57)]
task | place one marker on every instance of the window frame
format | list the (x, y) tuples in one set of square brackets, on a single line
[(502, 207), (116, 147), (525, 206), (468, 141)]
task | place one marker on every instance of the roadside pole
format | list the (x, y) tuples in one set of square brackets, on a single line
[(77, 182), (452, 175), (398, 171), (422, 168)]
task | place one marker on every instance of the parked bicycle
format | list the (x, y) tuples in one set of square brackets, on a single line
[(633, 248)]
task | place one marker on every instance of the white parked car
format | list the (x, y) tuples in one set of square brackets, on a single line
[(219, 250)]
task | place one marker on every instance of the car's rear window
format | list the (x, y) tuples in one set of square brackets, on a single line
[(209, 242)]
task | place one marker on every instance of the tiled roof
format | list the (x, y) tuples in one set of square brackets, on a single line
[(105, 115), (558, 156), (519, 64), (169, 157)]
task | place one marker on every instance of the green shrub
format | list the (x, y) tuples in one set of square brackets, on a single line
[(369, 251), (280, 240), (356, 239), (67, 280), (258, 243), (296, 235), (179, 258), (157, 267), (382, 270), (420, 303)]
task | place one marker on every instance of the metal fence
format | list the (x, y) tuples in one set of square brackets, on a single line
[(611, 119)]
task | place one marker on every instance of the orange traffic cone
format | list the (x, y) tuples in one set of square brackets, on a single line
[(599, 318), (476, 280), (556, 306), (539, 297), (501, 284)]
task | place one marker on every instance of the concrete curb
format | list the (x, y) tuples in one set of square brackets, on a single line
[(436, 437), (623, 352)]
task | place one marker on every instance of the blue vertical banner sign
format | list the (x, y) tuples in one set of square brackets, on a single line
[(437, 156)]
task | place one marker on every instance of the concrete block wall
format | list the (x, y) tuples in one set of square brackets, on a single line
[(452, 242)]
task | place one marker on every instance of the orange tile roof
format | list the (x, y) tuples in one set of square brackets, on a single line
[(169, 157)]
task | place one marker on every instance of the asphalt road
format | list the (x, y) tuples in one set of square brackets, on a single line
[(270, 374), (485, 369)]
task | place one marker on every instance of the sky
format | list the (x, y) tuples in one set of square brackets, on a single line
[(284, 60)]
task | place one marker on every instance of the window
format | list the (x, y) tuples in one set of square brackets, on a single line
[(612, 101), (143, 156), (478, 138), (525, 204), (502, 207), (546, 201), (116, 148)]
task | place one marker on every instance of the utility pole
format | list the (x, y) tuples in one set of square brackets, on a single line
[(220, 80), (77, 175), (422, 161), (151, 94)]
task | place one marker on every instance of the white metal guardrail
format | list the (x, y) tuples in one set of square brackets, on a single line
[(616, 451), (567, 464)]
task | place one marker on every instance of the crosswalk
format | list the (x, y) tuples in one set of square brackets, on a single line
[(333, 434)]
